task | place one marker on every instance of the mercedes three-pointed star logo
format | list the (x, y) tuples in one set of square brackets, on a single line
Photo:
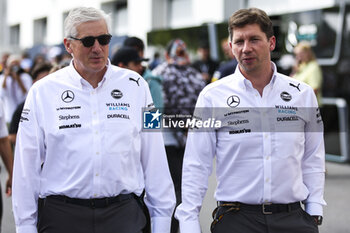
[(67, 96), (233, 101)]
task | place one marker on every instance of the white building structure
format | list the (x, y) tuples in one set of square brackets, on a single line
[(41, 21), (26, 23)]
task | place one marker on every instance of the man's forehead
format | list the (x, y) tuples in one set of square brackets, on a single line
[(247, 30), (92, 28)]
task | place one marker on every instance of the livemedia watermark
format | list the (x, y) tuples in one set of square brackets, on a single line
[(235, 121)]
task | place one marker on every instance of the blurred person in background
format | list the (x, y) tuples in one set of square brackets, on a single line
[(226, 49), (38, 58), (3, 62), (181, 86), (7, 157), (63, 61), (26, 62), (82, 161), (136, 43), (62, 64), (15, 83), (155, 61), (40, 71), (307, 69), (128, 57), (205, 64), (54, 55), (228, 66), (154, 81)]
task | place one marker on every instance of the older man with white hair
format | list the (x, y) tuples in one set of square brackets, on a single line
[(82, 160)]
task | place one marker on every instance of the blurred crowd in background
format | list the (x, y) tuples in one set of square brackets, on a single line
[(18, 71)]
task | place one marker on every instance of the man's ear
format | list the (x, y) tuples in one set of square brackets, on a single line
[(272, 41), (67, 45)]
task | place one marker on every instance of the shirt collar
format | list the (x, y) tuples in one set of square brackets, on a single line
[(245, 83), (81, 82)]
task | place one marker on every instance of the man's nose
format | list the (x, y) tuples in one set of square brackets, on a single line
[(247, 47), (96, 46)]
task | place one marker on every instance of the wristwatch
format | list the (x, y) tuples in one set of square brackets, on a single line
[(318, 219)]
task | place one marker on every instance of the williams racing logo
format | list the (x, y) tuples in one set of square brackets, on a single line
[(67, 96), (233, 101), (116, 94), (286, 96), (118, 106)]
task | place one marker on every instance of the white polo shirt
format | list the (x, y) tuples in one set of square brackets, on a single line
[(269, 148), (90, 144)]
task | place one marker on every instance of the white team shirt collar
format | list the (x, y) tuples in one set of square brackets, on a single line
[(245, 83), (81, 82)]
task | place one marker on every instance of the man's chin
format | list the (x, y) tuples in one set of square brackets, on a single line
[(98, 66)]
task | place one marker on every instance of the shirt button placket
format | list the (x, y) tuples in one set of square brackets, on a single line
[(96, 140)]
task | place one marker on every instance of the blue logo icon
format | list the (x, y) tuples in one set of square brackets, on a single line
[(152, 120)]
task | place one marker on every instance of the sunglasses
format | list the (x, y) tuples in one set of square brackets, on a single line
[(90, 40)]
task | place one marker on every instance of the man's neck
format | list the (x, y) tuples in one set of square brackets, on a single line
[(259, 79), (92, 77)]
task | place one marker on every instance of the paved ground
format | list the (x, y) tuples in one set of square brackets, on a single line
[(337, 194)]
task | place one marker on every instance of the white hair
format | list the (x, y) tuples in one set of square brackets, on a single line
[(82, 15)]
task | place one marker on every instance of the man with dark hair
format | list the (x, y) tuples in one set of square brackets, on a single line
[(154, 81), (128, 57), (136, 43), (269, 146)]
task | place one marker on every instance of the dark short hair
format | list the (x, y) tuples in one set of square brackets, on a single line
[(125, 55), (244, 17), (41, 67), (134, 42)]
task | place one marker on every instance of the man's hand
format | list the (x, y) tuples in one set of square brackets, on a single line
[(318, 219), (9, 186)]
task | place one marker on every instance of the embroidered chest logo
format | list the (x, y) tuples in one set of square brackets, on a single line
[(233, 101), (116, 94), (67, 96), (286, 96)]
